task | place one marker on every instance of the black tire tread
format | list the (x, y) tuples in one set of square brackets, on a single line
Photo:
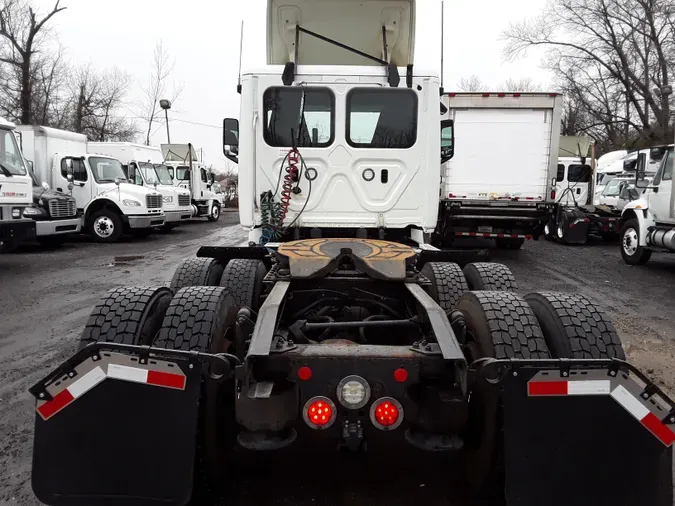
[(243, 279), (191, 319), (448, 283), (490, 276), (575, 327), (512, 324), (196, 271), (123, 316)]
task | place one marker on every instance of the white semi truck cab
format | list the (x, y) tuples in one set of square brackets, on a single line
[(16, 191), (109, 205), (144, 166), (189, 174), (338, 140), (649, 220)]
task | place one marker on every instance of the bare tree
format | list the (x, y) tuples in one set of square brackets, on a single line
[(470, 84), (524, 85), (24, 33), (608, 56), (95, 103), (156, 89)]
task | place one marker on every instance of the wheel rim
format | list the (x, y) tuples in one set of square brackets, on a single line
[(561, 233), (547, 230), (104, 227), (630, 242), (215, 212)]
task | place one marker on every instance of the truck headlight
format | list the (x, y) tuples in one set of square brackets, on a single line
[(132, 203), (32, 211), (167, 200), (16, 212)]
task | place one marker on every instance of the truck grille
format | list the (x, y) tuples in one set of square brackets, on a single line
[(153, 201), (62, 208), (183, 200)]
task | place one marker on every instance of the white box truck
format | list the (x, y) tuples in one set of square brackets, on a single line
[(499, 182), (180, 158), (143, 165), (15, 191), (108, 203)]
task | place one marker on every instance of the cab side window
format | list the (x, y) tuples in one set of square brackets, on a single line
[(134, 175), (203, 172), (79, 170)]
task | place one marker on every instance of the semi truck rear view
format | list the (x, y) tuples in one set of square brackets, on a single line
[(499, 182)]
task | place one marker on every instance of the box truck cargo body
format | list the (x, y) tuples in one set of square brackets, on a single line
[(499, 182)]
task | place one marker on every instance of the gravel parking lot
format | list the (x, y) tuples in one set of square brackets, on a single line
[(46, 297)]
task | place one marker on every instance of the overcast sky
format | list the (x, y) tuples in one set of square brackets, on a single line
[(203, 38)]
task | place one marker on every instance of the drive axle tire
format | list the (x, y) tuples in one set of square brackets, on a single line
[(196, 272), (632, 251), (574, 327), (448, 283), (490, 276), (243, 278), (127, 315), (499, 325), (201, 318)]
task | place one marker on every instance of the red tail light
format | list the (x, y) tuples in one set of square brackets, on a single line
[(552, 194), (319, 412), (386, 413)]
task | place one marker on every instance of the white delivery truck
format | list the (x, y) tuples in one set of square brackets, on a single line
[(143, 165), (500, 183), (649, 220), (15, 191), (190, 174), (109, 205)]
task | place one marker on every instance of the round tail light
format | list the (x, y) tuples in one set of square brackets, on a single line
[(319, 412), (386, 413)]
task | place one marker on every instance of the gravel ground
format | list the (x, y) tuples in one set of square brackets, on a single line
[(46, 297)]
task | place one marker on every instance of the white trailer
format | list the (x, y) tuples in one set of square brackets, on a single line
[(190, 174), (143, 165), (16, 191), (109, 205), (500, 182)]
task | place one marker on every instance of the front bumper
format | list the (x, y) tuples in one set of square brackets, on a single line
[(58, 227), (178, 215), (17, 229), (146, 220)]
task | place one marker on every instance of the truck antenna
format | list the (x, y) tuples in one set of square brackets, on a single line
[(442, 41), (241, 50)]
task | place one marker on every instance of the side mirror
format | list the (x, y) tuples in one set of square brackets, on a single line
[(71, 186), (117, 181), (640, 166), (231, 139), (69, 166), (447, 140), (30, 165), (45, 185)]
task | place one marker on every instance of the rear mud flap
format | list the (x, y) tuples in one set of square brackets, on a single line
[(586, 438), (116, 430)]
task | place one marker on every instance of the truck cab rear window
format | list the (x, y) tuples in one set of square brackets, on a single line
[(382, 118), (282, 113), (579, 174)]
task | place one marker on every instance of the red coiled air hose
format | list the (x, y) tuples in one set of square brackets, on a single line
[(292, 172)]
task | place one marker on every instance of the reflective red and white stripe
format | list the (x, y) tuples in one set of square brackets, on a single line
[(482, 234), (603, 387), (92, 378), (76, 389)]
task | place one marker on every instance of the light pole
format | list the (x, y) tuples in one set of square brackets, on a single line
[(166, 105)]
